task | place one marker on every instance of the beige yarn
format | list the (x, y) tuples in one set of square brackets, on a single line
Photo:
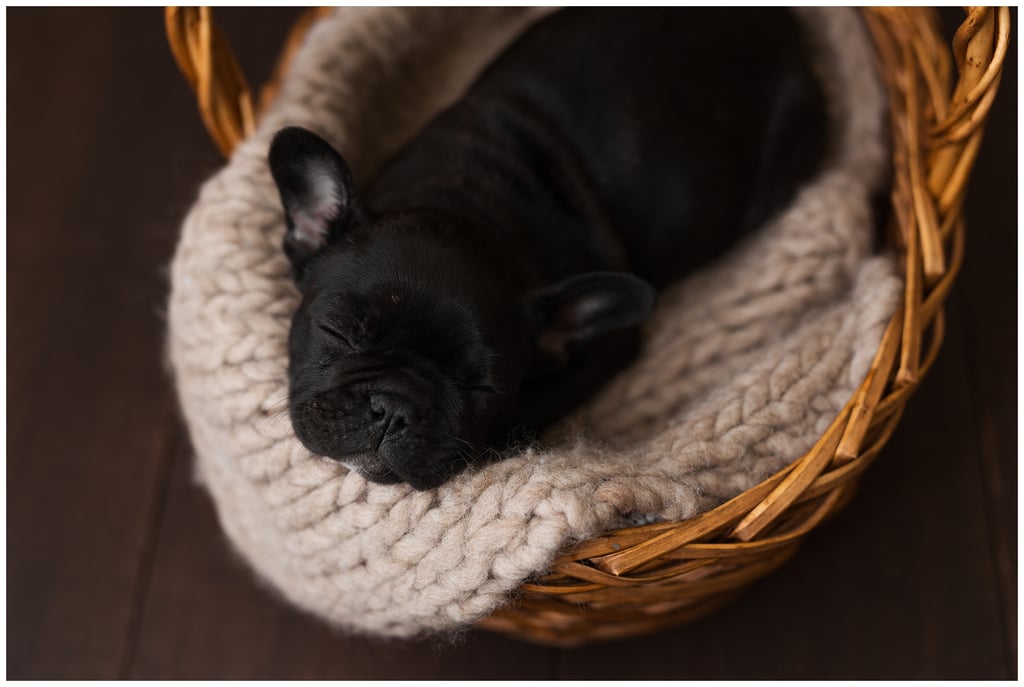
[(746, 365)]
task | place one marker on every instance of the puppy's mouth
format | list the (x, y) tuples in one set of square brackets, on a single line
[(384, 476), (370, 467)]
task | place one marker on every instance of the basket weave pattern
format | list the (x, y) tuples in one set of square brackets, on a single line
[(636, 580)]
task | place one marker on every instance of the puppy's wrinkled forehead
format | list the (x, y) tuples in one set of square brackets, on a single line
[(419, 269), (388, 317)]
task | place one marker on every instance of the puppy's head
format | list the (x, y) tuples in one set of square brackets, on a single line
[(415, 329)]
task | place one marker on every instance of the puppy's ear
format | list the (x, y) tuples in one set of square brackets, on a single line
[(316, 190), (572, 312)]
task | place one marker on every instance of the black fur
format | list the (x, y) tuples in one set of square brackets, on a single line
[(481, 286)]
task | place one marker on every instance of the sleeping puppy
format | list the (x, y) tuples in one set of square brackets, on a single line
[(497, 270)]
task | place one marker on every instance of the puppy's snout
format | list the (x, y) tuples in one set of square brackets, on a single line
[(394, 412)]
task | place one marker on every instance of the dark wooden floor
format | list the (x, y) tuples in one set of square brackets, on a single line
[(116, 566)]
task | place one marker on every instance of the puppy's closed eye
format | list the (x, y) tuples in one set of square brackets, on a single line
[(336, 335), (479, 388)]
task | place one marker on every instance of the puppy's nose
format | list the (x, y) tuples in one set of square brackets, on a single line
[(393, 411)]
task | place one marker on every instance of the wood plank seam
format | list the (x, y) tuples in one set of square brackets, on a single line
[(154, 525), (997, 536)]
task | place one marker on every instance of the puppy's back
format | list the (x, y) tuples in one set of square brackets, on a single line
[(693, 124)]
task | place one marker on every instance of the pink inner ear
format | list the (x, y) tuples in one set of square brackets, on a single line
[(563, 327), (321, 207), (571, 320), (554, 340)]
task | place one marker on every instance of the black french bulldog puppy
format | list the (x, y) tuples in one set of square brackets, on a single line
[(497, 270)]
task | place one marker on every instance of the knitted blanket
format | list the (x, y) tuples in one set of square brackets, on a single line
[(746, 363)]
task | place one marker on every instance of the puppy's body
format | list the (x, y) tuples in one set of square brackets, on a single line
[(480, 284), (638, 139)]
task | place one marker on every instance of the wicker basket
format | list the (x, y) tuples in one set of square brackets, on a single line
[(637, 580)]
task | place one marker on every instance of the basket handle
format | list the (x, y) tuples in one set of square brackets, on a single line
[(980, 47), (205, 57)]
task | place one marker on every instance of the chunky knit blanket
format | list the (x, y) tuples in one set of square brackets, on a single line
[(746, 363)]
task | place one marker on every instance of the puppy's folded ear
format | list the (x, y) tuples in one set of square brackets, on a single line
[(316, 190), (572, 312)]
